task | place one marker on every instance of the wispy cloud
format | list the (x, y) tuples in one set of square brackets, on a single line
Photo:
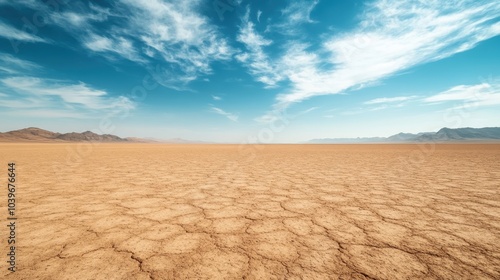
[(78, 96), (390, 99), (14, 65), (298, 12), (307, 110), (272, 70), (171, 36), (259, 13), (391, 37), (33, 4), (78, 19), (461, 92), (229, 116), (216, 98), (479, 95), (12, 33), (178, 34), (255, 58), (281, 114), (293, 17), (50, 114), (80, 22), (118, 45)]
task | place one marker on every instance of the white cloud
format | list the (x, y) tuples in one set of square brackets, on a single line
[(267, 118), (293, 16), (33, 4), (266, 69), (259, 13), (307, 110), (298, 12), (390, 37), (390, 99), (173, 35), (479, 95), (70, 94), (255, 58), (461, 92), (14, 65), (98, 43), (72, 20), (53, 113), (219, 111), (21, 103), (118, 45), (72, 16), (13, 33), (177, 33), (98, 40), (217, 98), (298, 65)]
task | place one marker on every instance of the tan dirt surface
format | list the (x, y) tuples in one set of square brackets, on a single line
[(155, 211)]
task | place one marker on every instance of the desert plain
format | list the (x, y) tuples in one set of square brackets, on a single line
[(158, 211)]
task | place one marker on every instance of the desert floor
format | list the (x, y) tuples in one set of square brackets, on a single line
[(155, 211)]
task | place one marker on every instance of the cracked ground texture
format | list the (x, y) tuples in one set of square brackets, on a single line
[(155, 211)]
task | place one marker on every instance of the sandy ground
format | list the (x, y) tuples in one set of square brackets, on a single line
[(151, 211)]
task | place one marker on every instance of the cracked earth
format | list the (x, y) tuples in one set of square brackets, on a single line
[(151, 211)]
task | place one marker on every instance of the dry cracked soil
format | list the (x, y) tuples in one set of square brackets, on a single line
[(157, 211)]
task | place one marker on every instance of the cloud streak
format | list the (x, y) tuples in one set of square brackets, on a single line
[(14, 65), (12, 33), (390, 99), (117, 45), (293, 17), (255, 58), (298, 12), (56, 93), (229, 116), (480, 95)]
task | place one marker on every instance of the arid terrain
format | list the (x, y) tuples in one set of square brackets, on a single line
[(157, 211)]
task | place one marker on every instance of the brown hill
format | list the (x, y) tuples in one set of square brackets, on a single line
[(90, 136), (33, 134), (29, 134)]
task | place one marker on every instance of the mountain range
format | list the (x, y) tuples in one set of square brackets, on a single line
[(486, 134), (467, 134), (34, 134)]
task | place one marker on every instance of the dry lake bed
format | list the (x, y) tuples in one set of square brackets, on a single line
[(158, 211)]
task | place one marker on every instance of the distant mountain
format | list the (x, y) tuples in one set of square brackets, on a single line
[(443, 135), (28, 134), (487, 134), (33, 134), (406, 136), (90, 136), (462, 134)]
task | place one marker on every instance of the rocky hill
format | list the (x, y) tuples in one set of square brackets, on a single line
[(33, 134)]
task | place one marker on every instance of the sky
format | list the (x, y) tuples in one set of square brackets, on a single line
[(244, 71)]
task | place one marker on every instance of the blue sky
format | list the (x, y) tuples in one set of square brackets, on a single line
[(249, 71)]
